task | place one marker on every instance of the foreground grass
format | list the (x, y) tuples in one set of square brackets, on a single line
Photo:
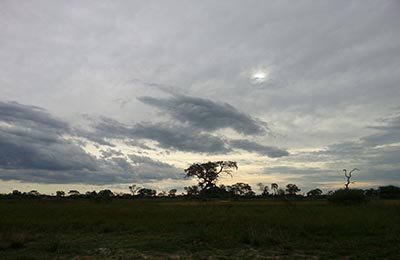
[(176, 229)]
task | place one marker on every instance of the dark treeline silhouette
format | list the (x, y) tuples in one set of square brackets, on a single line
[(207, 176), (237, 190)]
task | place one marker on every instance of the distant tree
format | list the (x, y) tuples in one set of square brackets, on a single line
[(73, 192), (280, 192), (314, 193), (208, 173), (16, 193), (348, 176), (291, 189), (60, 193), (274, 187), (241, 189), (172, 193), (144, 192), (265, 192), (371, 192), (34, 193), (263, 189), (389, 192), (134, 189), (192, 190), (91, 193), (348, 197), (105, 193), (162, 194)]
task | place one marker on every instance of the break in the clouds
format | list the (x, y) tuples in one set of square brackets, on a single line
[(184, 81), (205, 114)]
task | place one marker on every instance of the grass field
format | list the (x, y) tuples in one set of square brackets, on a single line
[(179, 229)]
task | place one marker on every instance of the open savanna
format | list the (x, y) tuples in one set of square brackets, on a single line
[(193, 229)]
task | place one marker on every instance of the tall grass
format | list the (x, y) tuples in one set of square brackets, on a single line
[(132, 229)]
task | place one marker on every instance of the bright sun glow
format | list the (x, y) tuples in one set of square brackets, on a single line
[(259, 76)]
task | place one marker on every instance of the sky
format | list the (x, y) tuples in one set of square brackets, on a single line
[(106, 94)]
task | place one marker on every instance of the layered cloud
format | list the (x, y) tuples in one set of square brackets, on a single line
[(178, 76), (36, 147), (205, 114), (167, 136), (376, 155), (264, 150), (191, 128)]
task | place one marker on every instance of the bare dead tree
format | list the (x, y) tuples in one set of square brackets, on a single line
[(348, 176)]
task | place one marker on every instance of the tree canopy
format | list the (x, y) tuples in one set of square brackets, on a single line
[(208, 173)]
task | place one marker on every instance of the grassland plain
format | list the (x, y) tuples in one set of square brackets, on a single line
[(187, 229)]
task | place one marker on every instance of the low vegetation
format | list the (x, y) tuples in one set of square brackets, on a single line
[(178, 228), (206, 222)]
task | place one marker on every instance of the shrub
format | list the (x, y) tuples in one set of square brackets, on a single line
[(348, 197), (389, 192)]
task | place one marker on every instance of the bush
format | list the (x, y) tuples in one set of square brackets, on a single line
[(389, 192), (348, 197)]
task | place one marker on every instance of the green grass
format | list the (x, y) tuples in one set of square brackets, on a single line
[(179, 229)]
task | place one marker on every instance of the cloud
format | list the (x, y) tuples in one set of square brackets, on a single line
[(388, 133), (376, 155), (15, 113), (205, 114), (150, 169), (168, 136), (293, 170), (181, 138), (36, 147), (250, 146), (31, 138)]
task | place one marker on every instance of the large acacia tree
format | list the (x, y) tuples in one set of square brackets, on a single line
[(208, 173)]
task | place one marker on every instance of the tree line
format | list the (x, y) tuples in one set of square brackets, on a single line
[(207, 175)]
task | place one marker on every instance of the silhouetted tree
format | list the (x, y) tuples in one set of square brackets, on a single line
[(134, 189), (263, 188), (371, 192), (106, 193), (16, 193), (192, 190), (172, 193), (60, 193), (73, 192), (348, 176), (208, 173), (34, 193), (91, 193), (241, 189), (144, 192), (291, 189), (389, 192), (314, 193), (162, 194), (274, 187), (280, 192), (348, 197)]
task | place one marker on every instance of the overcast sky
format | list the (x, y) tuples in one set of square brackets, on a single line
[(98, 94)]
